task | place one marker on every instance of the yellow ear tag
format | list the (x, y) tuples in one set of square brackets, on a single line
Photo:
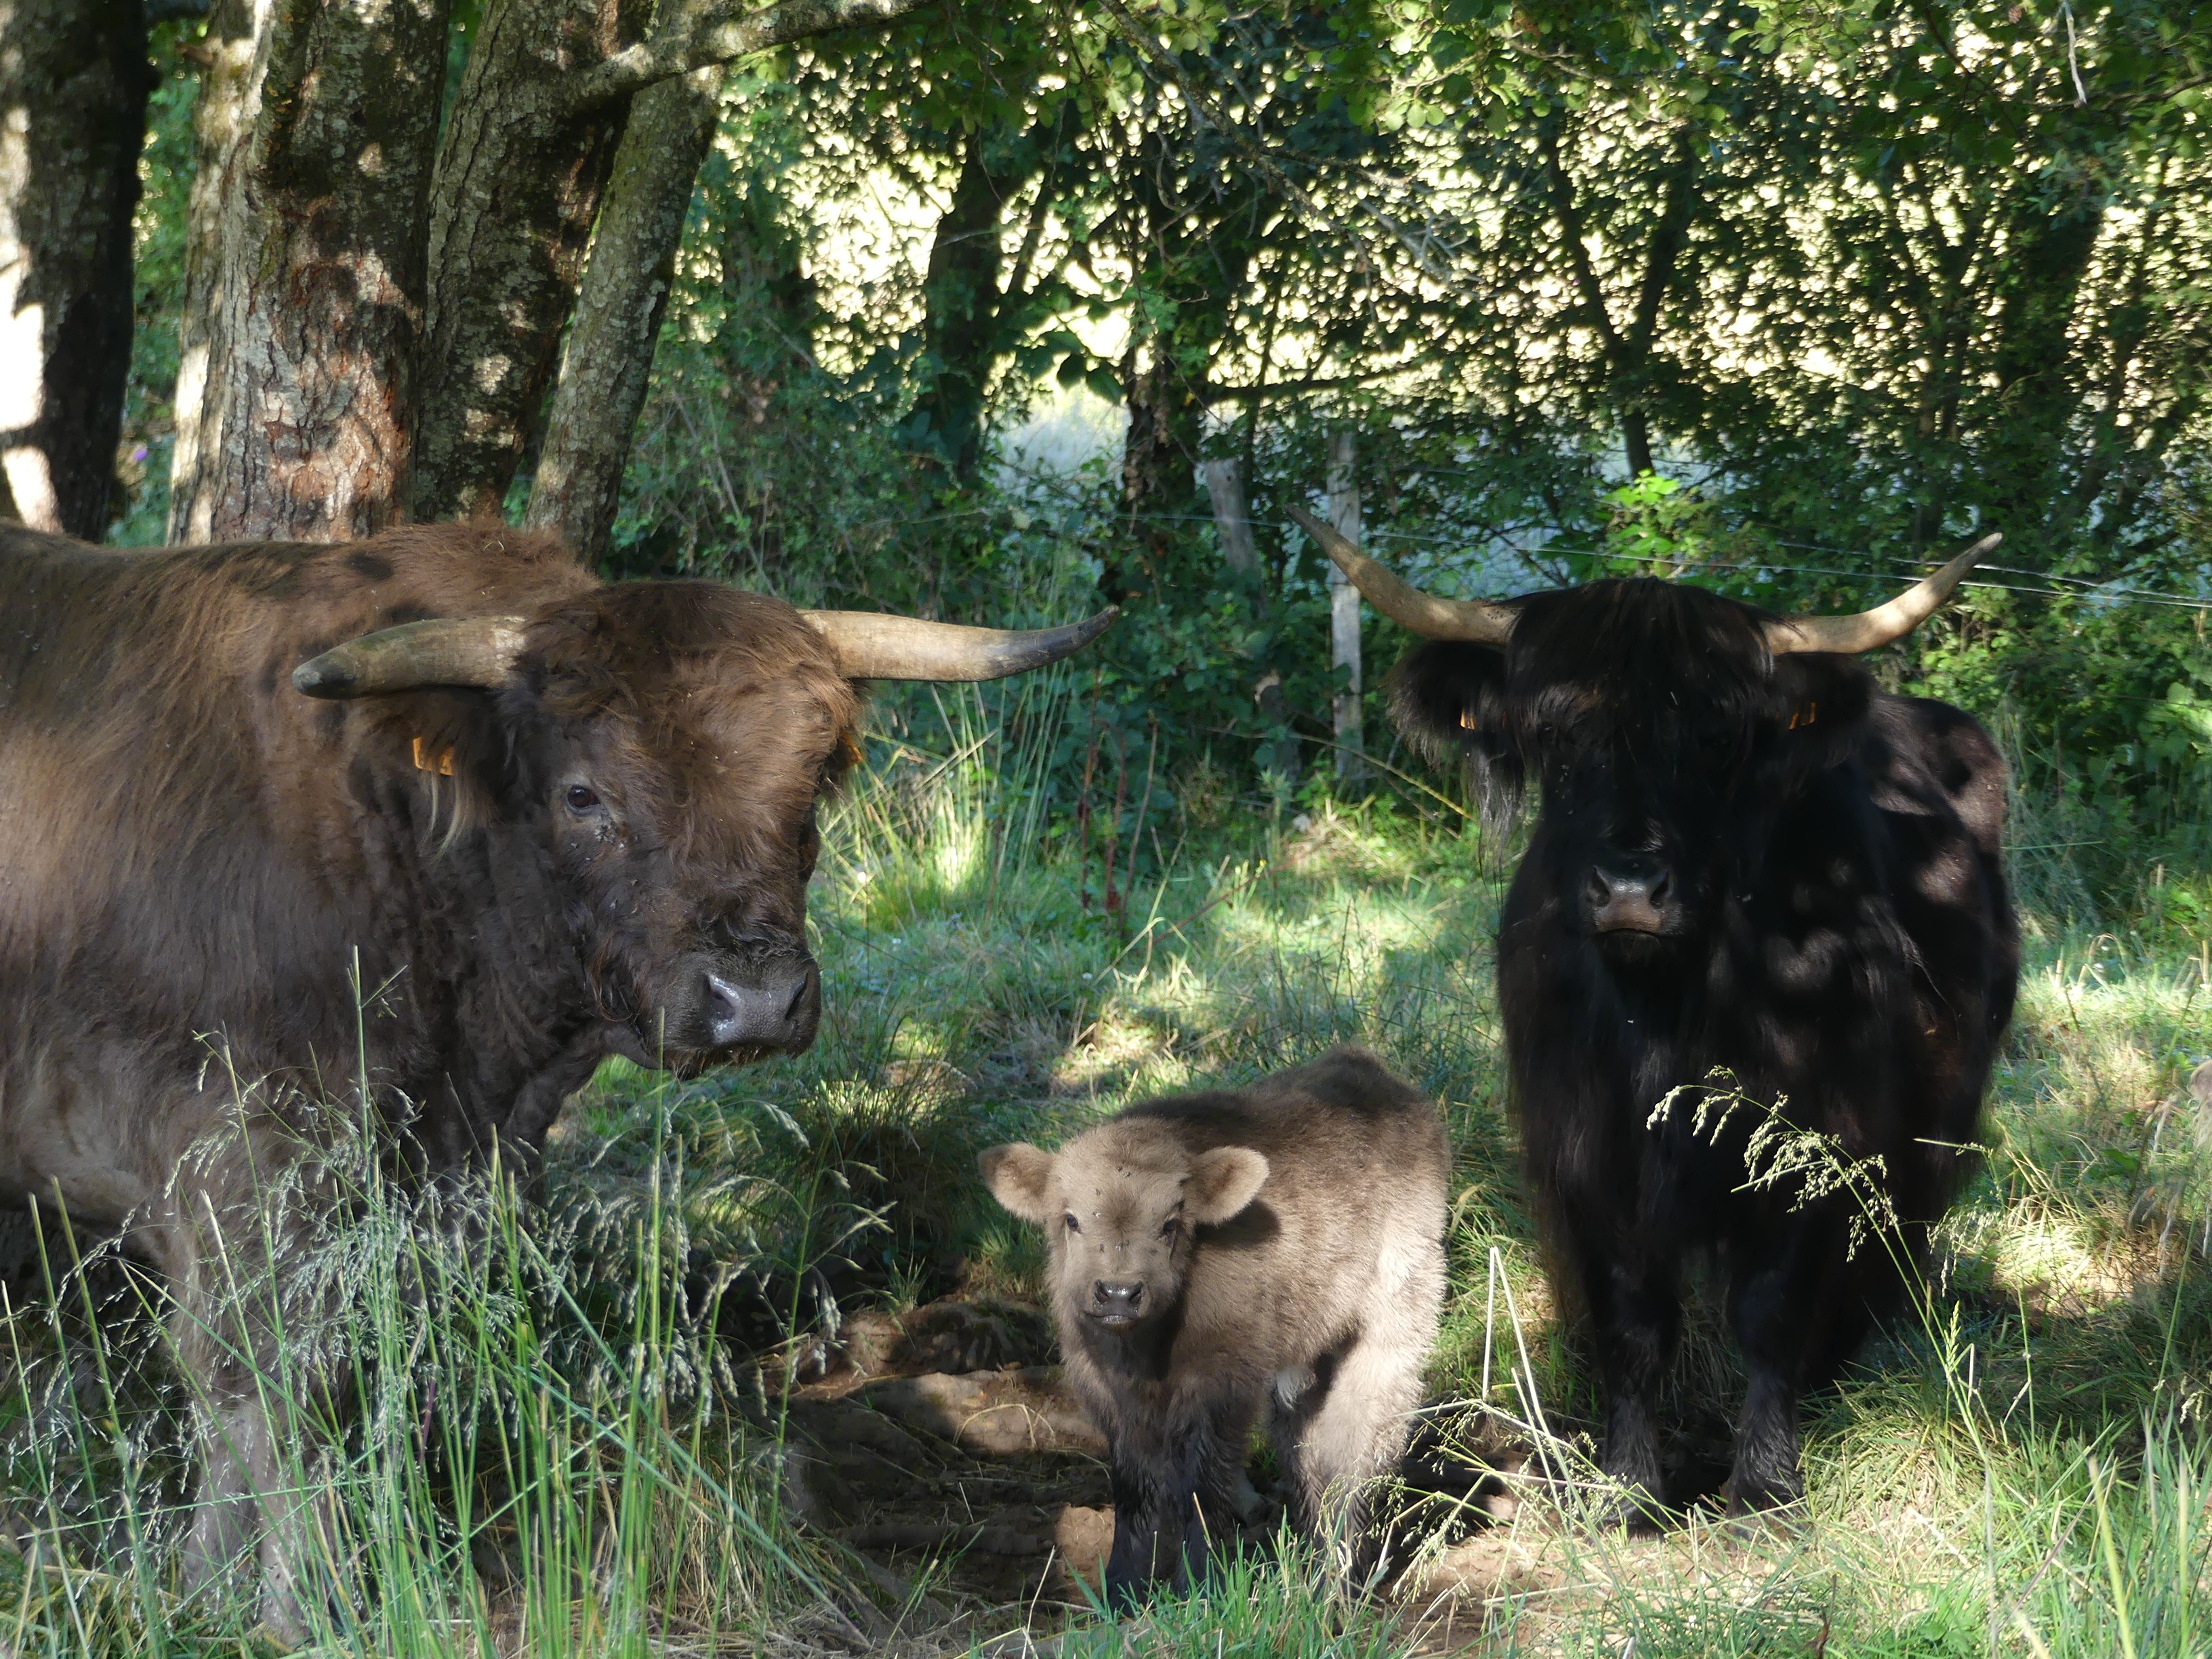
[(442, 763), (1467, 720)]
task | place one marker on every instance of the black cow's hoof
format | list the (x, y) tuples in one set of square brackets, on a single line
[(1636, 1510), (1766, 1507)]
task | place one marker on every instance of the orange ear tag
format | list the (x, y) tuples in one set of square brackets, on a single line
[(442, 763), (1467, 720), (1804, 716)]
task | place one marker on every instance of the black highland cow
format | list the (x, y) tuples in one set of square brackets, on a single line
[(1748, 862)]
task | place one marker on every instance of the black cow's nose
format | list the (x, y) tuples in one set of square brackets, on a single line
[(769, 1005), (1629, 895), (1117, 1300)]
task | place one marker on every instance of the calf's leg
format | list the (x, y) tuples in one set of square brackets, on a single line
[(1352, 1430), (1352, 1438), (1175, 1486)]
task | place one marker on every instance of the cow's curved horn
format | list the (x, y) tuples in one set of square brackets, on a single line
[(1476, 620), (873, 645), (1848, 635), (442, 651)]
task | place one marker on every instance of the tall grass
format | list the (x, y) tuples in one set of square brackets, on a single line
[(550, 1435), (529, 1439)]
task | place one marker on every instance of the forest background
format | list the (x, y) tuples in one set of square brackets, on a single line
[(991, 313), (999, 312)]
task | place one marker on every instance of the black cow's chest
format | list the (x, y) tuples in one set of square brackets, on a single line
[(1642, 1075)]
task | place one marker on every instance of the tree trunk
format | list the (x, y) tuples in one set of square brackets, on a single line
[(1232, 521), (365, 331), (607, 359), (1232, 518), (960, 326), (1344, 607), (520, 179), (305, 290), (74, 80), (767, 331)]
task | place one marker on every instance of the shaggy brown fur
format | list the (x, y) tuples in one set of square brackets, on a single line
[(212, 888), (1283, 1243)]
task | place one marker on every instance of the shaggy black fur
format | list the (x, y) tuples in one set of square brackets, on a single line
[(1748, 873)]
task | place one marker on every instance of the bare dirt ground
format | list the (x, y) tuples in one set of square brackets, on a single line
[(941, 1447)]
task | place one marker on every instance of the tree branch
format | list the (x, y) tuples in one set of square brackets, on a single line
[(719, 33), (1209, 113), (1568, 215)]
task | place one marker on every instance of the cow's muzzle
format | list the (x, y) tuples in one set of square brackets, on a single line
[(1631, 895), (724, 1004)]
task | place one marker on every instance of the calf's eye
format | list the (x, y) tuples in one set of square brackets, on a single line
[(581, 798), (1070, 1219), (1168, 1227)]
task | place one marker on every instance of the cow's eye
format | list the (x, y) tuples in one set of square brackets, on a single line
[(581, 798), (1070, 1219), (1172, 1225)]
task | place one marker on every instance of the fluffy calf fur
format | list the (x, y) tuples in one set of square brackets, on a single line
[(1759, 873), (1211, 1253)]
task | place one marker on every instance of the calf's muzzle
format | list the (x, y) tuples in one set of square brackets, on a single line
[(1117, 1301)]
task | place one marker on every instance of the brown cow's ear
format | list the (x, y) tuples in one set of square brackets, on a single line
[(1221, 1183), (1019, 1176)]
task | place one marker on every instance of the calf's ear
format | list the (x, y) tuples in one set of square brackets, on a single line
[(1221, 1183), (1019, 1176)]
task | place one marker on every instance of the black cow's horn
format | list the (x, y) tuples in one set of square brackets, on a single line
[(1433, 618), (442, 651), (1848, 635), (873, 645)]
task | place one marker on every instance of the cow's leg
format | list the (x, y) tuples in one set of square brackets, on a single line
[(1802, 1304), (252, 1506), (1634, 1301)]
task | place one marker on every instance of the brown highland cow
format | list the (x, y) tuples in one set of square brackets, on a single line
[(1283, 1243)]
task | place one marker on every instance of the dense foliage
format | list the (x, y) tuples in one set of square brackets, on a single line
[(1784, 299)]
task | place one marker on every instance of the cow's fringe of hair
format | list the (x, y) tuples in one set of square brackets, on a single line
[(455, 805)]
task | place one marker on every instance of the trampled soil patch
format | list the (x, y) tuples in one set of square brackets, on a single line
[(946, 1435), (946, 1438)]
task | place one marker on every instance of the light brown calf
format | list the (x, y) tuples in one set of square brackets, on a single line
[(1280, 1244)]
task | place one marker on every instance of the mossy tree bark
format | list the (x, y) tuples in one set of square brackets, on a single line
[(74, 80), (519, 178), (607, 360), (295, 393), (373, 313)]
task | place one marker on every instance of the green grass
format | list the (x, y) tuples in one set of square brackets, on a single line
[(561, 1448)]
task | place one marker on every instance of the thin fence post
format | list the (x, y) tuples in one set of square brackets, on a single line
[(1344, 605)]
